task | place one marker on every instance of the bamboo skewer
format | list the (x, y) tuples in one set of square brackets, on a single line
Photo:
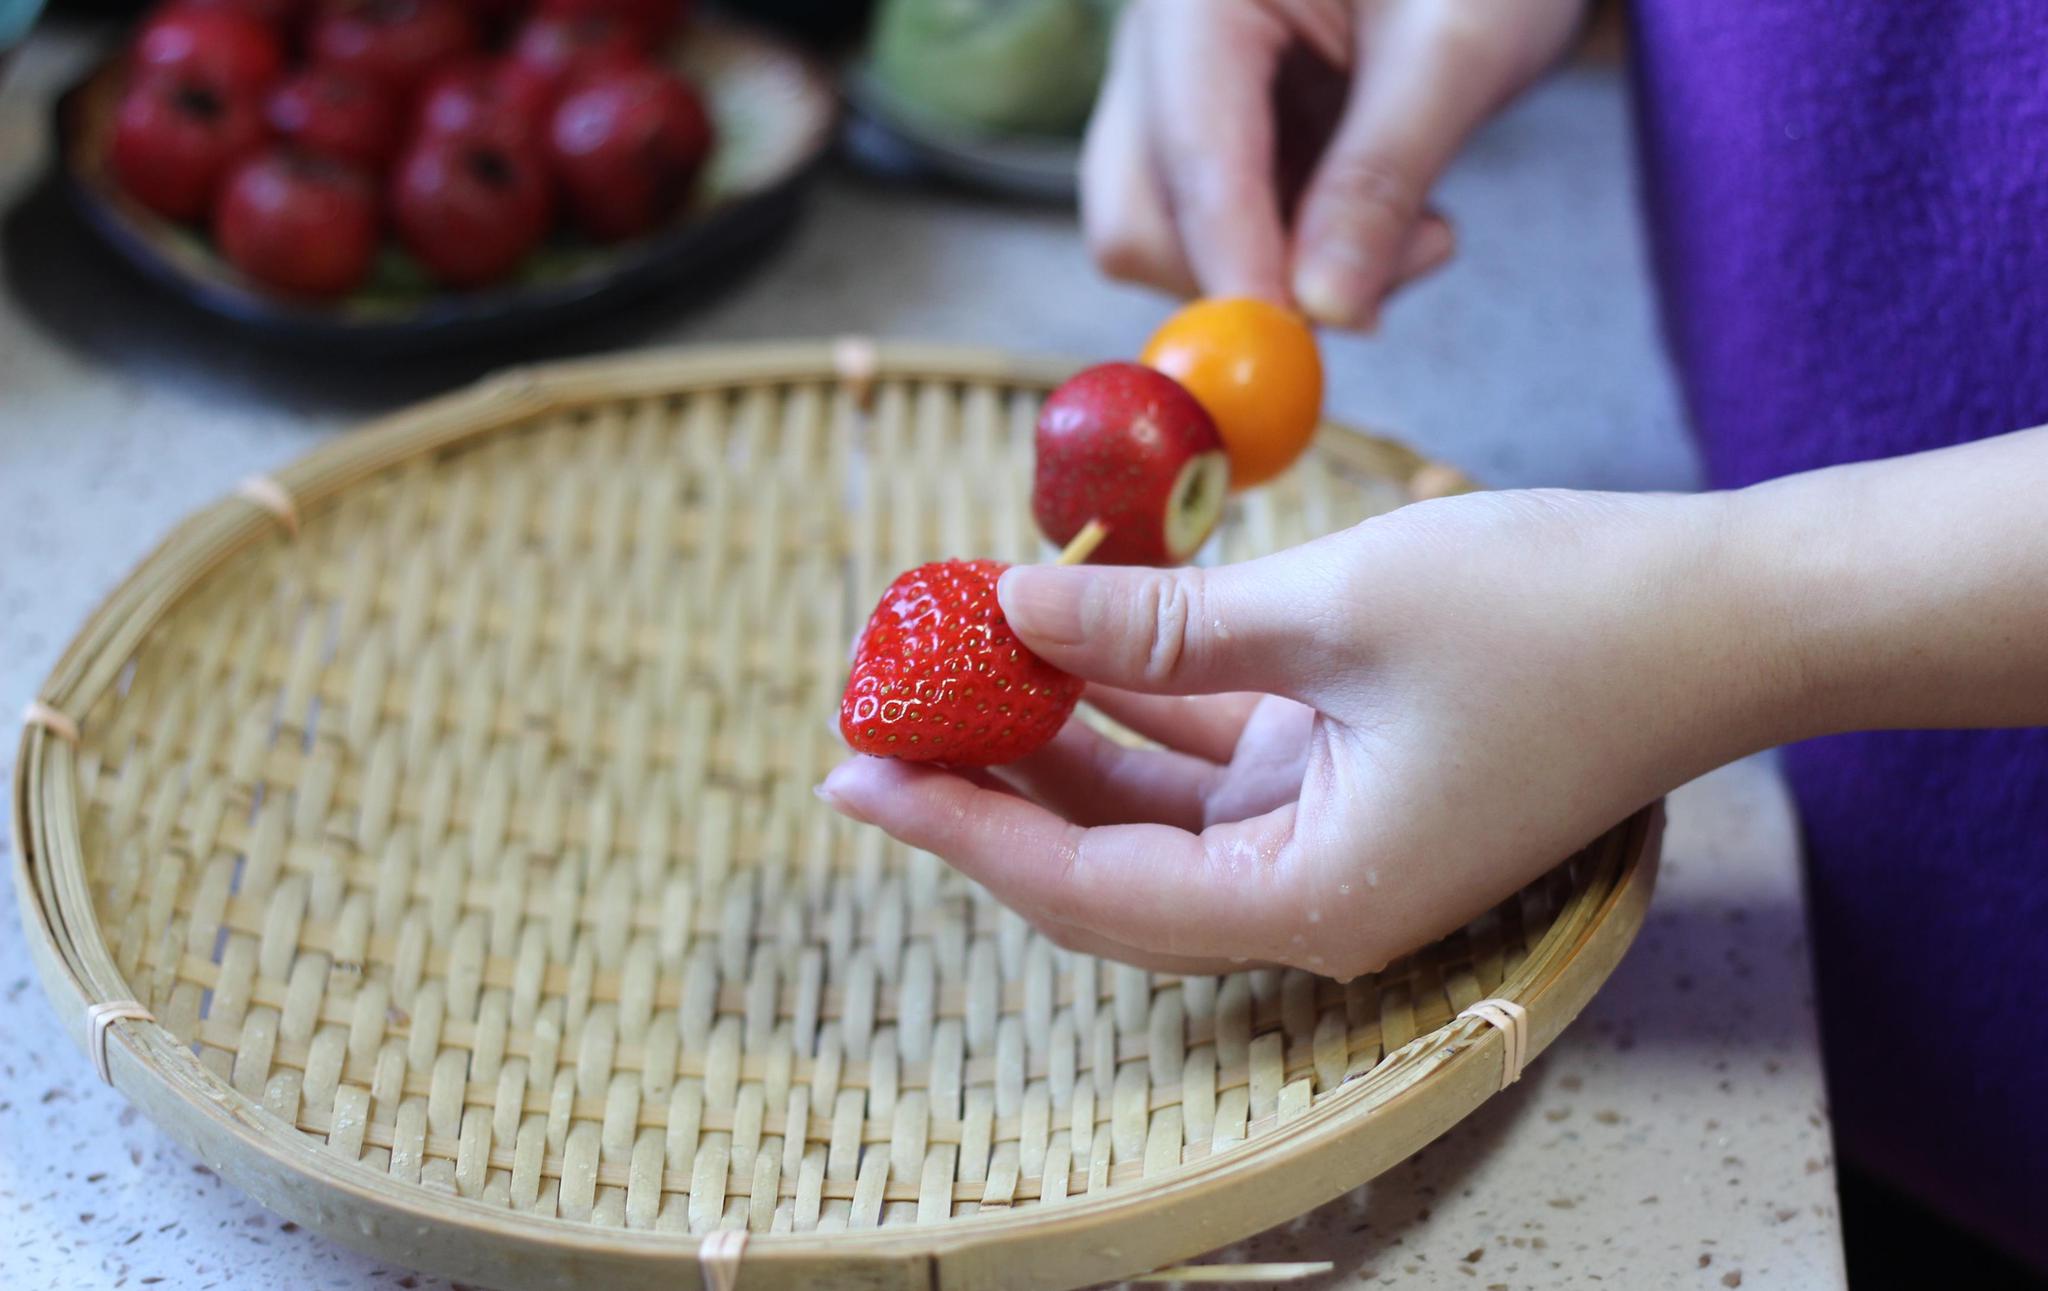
[(1272, 1272), (1083, 544)]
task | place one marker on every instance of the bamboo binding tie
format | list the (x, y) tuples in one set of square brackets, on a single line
[(1434, 480), (272, 497), (1513, 1021), (855, 361), (101, 1016), (56, 723), (718, 1258)]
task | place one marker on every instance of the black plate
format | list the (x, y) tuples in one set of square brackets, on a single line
[(774, 110)]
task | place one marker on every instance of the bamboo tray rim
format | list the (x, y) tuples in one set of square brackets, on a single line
[(162, 1075)]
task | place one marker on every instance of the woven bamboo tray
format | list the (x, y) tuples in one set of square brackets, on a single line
[(446, 801)]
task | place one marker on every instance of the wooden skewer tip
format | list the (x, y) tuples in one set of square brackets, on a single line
[(1269, 1273), (1084, 544)]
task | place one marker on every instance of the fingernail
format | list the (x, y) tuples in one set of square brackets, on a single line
[(1046, 603), (831, 791), (1330, 286)]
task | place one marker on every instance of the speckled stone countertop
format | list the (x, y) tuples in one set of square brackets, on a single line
[(1675, 1137)]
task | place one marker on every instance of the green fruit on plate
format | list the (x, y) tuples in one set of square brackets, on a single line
[(1005, 66)]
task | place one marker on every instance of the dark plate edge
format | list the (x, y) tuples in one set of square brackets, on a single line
[(739, 225)]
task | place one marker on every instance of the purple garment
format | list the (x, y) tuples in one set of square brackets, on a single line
[(1849, 211)]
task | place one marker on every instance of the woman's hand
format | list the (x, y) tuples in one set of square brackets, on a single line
[(1182, 174), (1462, 692), (1393, 728)]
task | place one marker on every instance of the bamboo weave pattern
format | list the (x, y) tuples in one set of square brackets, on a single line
[(470, 833)]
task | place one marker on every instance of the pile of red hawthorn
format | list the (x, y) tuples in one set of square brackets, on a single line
[(300, 131)]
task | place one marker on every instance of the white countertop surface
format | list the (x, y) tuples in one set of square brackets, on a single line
[(1675, 1137)]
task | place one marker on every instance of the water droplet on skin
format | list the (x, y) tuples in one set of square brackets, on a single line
[(1297, 940), (1222, 631), (1343, 889), (1315, 916), (1372, 878), (1237, 959)]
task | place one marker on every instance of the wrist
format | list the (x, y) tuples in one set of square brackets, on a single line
[(1787, 572), (1736, 632), (1904, 593)]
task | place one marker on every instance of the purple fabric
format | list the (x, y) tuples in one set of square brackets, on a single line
[(1849, 213)]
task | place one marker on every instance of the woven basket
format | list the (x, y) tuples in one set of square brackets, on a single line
[(446, 800)]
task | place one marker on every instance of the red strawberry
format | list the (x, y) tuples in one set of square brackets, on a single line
[(939, 677)]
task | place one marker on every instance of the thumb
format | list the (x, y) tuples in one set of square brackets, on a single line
[(1180, 631), (1419, 88)]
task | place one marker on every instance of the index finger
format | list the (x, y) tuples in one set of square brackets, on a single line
[(1203, 726), (1220, 893), (1124, 214), (1209, 79)]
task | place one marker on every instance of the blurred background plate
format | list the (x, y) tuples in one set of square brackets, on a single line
[(884, 133), (775, 110)]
